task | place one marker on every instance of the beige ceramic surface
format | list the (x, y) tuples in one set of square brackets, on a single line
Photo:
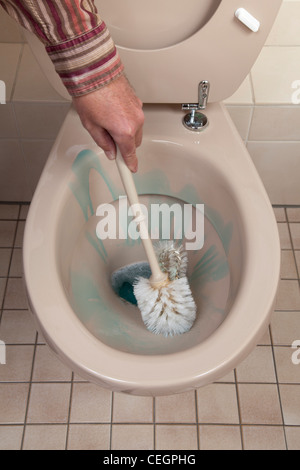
[(67, 271), (168, 49), (234, 277)]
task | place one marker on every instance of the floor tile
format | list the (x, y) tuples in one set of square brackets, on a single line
[(16, 268), (288, 265), (295, 234), (3, 281), (11, 437), (175, 436), (284, 235), (259, 404), (297, 256), (293, 437), (285, 327), (13, 399), (288, 297), (263, 438), (45, 437), (49, 403), (217, 403), (257, 367), (179, 408), (7, 233), (132, 437), (15, 295), (130, 409), (290, 399), (5, 255), (280, 214), (293, 214), (9, 211), (90, 404), (18, 364), (287, 371), (89, 437), (48, 368), (214, 437)]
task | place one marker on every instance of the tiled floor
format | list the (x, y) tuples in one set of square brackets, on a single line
[(43, 405)]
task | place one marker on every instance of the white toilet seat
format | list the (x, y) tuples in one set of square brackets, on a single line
[(254, 285)]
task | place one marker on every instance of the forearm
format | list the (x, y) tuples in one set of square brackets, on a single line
[(76, 39)]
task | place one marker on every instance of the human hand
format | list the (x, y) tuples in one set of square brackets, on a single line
[(113, 115)]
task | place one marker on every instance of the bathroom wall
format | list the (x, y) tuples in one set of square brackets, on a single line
[(266, 111)]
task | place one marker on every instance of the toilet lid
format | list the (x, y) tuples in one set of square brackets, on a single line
[(169, 46)]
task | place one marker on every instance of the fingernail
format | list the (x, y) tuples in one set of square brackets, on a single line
[(110, 155)]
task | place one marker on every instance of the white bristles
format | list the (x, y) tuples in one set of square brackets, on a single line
[(169, 309)]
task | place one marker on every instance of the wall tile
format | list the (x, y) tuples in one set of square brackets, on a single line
[(13, 183), (31, 83), (273, 74), (8, 129), (275, 123), (278, 165), (10, 31), (281, 35), (9, 58), (35, 153), (241, 116), (40, 120)]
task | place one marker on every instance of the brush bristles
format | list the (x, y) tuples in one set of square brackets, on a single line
[(168, 310), (172, 258)]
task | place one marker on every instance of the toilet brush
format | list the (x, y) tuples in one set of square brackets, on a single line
[(167, 306)]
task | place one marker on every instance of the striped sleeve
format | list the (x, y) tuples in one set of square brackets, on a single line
[(76, 40)]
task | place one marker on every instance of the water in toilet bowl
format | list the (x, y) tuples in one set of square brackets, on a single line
[(100, 308)]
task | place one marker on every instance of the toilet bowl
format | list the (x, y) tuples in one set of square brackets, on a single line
[(233, 275)]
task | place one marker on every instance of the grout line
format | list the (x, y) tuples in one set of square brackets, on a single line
[(249, 126), (69, 412), (278, 390), (154, 423), (10, 262), (252, 87), (197, 421), (29, 392), (111, 419), (17, 73), (239, 408), (292, 245)]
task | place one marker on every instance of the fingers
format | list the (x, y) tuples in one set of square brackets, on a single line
[(104, 140), (128, 145)]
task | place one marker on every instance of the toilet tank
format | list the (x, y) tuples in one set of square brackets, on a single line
[(169, 46)]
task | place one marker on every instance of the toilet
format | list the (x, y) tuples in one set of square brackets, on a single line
[(183, 62)]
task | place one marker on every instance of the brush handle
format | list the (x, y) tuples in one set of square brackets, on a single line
[(127, 179)]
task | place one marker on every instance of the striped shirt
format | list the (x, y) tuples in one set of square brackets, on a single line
[(76, 40)]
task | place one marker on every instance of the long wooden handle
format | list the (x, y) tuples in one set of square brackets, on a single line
[(127, 179)]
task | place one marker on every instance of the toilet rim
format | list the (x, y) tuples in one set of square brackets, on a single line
[(232, 341)]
